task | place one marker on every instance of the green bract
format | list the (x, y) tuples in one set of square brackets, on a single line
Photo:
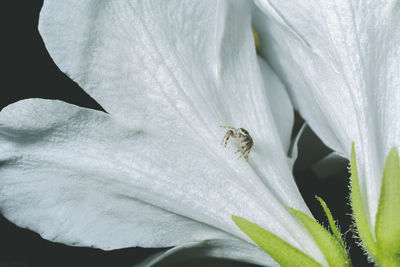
[(385, 249), (333, 250), (281, 251), (331, 246), (335, 231), (387, 228), (357, 205)]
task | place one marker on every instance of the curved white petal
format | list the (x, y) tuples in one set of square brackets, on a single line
[(146, 66), (138, 50), (193, 71), (219, 249), (278, 100), (160, 52), (169, 73), (50, 189), (64, 169), (340, 60)]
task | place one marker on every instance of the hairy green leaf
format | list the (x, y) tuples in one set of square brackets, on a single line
[(335, 231), (333, 250), (387, 228), (281, 251), (357, 205)]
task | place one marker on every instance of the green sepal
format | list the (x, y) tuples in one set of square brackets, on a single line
[(333, 250), (332, 224), (281, 251), (387, 227), (357, 205)]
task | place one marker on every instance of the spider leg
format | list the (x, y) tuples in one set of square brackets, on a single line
[(243, 152), (223, 140), (247, 155), (242, 147), (227, 136), (228, 127)]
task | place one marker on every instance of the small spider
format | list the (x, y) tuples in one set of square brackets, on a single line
[(244, 138)]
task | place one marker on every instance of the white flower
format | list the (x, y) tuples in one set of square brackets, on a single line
[(340, 60), (151, 172)]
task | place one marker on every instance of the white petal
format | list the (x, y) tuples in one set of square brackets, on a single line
[(141, 64), (246, 90), (221, 249), (145, 51), (181, 69), (200, 59), (193, 71), (278, 100), (340, 60), (66, 203), (58, 161)]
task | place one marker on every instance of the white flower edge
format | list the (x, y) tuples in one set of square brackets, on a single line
[(217, 249)]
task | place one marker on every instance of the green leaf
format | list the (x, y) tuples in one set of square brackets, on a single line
[(388, 260), (281, 251), (335, 231), (357, 205), (333, 250), (387, 228)]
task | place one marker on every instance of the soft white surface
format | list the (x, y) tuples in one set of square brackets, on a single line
[(80, 177), (220, 249), (340, 60), (63, 174), (279, 103), (169, 73), (202, 58)]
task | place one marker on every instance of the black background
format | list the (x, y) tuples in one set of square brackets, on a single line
[(28, 71)]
